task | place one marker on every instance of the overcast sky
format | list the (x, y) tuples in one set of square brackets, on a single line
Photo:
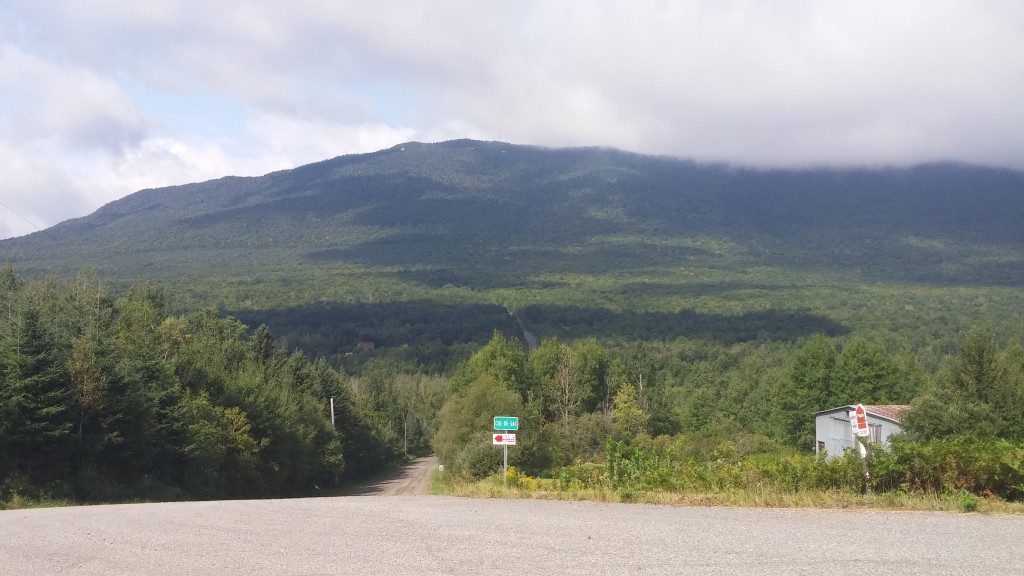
[(101, 98)]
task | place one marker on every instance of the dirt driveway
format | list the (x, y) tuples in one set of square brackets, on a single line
[(413, 480)]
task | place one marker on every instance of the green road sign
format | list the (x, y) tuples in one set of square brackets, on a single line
[(506, 423)]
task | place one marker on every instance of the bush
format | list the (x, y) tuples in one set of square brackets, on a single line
[(581, 476), (982, 467), (517, 479), (968, 502)]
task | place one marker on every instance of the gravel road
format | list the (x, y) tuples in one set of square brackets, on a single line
[(413, 480), (443, 535)]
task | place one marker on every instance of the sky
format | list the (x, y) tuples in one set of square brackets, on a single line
[(102, 98)]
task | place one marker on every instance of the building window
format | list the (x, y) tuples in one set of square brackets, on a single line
[(875, 433)]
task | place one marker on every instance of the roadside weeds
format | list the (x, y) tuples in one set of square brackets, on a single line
[(830, 500)]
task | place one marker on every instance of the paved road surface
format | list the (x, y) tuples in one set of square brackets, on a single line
[(441, 535), (413, 480)]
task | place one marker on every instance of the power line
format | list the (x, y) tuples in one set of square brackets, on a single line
[(15, 212)]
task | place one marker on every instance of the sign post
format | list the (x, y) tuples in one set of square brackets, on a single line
[(505, 424)]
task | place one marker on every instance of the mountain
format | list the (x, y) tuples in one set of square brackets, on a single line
[(568, 235)]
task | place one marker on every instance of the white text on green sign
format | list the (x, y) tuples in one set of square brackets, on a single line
[(506, 423)]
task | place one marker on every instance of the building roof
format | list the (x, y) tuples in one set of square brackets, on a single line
[(893, 412)]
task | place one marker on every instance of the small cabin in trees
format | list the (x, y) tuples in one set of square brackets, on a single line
[(834, 433)]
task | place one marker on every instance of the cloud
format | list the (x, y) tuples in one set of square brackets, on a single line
[(32, 192), (44, 185), (53, 116), (44, 100), (286, 138), (72, 140), (98, 98)]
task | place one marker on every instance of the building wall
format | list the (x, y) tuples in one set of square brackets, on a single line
[(888, 429), (834, 434)]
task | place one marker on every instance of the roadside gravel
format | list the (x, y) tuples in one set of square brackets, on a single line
[(444, 535)]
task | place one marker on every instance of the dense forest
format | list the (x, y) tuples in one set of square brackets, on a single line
[(113, 397), (107, 398)]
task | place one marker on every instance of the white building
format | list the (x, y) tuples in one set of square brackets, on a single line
[(834, 434)]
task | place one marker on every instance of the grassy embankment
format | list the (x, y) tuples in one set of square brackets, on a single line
[(520, 487)]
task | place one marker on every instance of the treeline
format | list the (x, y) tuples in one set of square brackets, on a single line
[(647, 413), (110, 398)]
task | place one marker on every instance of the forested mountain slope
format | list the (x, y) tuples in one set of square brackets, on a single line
[(583, 236), (429, 205)]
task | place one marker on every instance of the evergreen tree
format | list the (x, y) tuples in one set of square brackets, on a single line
[(36, 398), (140, 431)]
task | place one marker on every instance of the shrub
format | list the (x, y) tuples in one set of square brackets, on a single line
[(948, 466), (517, 479), (968, 502), (581, 475)]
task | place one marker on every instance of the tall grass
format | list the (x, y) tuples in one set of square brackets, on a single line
[(962, 475), (765, 498)]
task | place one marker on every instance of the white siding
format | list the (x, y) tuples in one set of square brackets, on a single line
[(834, 434)]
